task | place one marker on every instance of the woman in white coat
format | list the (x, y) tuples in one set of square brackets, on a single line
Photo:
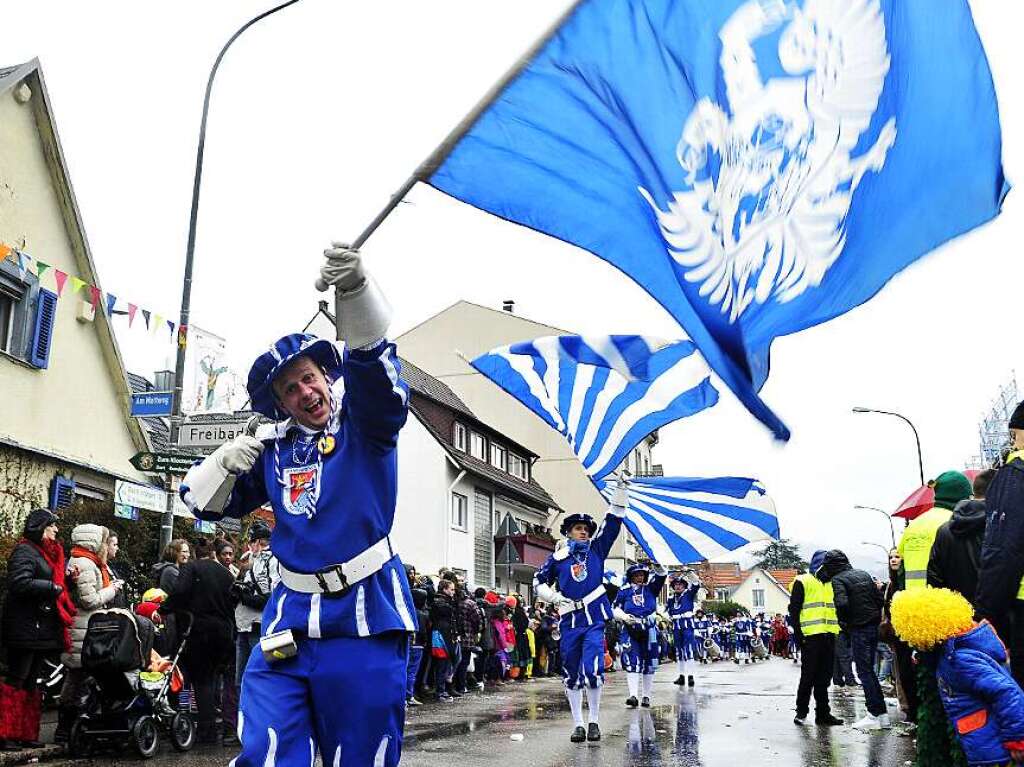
[(92, 589)]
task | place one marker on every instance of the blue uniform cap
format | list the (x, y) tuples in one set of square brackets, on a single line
[(634, 569), (269, 364), (575, 519)]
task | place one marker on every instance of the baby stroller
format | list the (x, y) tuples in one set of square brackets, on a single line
[(126, 703)]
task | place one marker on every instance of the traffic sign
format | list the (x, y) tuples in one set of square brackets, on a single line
[(152, 403), (164, 463)]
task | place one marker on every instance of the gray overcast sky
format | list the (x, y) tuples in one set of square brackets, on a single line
[(321, 111)]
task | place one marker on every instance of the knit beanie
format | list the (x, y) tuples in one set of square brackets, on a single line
[(950, 488), (36, 522), (1017, 419)]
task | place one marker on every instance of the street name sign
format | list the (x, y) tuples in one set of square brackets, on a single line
[(140, 496), (152, 403), (204, 433), (164, 463)]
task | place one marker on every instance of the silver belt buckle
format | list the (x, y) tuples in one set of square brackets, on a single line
[(333, 581)]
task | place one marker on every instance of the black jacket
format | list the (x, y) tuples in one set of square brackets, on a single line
[(30, 619), (1002, 553), (203, 588), (442, 617), (956, 552), (857, 599)]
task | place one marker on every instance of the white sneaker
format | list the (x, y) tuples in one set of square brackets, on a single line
[(884, 722), (869, 723)]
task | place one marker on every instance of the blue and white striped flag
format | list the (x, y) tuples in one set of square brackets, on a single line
[(682, 520), (604, 394)]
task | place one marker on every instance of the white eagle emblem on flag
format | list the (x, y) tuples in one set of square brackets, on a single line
[(770, 187)]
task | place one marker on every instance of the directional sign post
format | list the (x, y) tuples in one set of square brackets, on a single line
[(152, 403), (164, 463)]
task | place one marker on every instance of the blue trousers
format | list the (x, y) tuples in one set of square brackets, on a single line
[(686, 644), (638, 656), (415, 657), (342, 697), (582, 650)]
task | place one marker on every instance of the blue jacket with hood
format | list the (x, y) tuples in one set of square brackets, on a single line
[(984, 703)]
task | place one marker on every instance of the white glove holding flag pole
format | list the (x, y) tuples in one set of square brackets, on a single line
[(207, 486), (362, 314), (620, 496)]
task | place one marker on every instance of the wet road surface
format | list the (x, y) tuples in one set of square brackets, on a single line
[(737, 715)]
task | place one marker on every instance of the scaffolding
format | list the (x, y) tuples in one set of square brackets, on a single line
[(993, 431)]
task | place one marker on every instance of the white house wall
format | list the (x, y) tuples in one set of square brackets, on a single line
[(776, 600), (418, 534)]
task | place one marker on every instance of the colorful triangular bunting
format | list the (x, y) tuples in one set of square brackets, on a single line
[(132, 308), (145, 316), (61, 278)]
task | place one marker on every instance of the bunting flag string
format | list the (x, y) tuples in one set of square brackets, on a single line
[(100, 301)]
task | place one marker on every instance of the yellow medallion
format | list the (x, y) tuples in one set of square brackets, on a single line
[(327, 445)]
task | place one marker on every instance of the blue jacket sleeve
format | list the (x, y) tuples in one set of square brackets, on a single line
[(376, 398), (655, 585), (248, 494), (980, 675), (605, 538)]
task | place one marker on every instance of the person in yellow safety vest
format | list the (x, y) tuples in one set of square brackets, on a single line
[(812, 614), (915, 547), (1000, 595)]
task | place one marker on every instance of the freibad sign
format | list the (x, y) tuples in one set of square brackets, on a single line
[(210, 434)]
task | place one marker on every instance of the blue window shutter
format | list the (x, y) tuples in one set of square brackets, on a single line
[(62, 493), (42, 335)]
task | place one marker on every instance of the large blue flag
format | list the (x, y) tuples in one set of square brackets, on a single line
[(604, 394), (758, 166), (681, 520)]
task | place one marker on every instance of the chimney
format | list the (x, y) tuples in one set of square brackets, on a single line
[(508, 305), (163, 380)]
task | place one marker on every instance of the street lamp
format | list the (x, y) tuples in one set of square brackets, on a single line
[(877, 546), (892, 530), (917, 439), (167, 524)]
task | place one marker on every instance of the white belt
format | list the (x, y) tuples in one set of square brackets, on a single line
[(338, 579), (565, 608)]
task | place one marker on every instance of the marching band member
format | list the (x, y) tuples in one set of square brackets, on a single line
[(572, 578), (335, 626), (635, 606), (685, 586)]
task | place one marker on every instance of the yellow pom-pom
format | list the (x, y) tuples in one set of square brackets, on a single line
[(924, 617)]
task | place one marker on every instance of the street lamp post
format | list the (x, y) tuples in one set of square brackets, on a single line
[(917, 439), (167, 524), (888, 518)]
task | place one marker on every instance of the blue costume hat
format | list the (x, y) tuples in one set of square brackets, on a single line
[(269, 364), (636, 569), (677, 577), (576, 519), (817, 560)]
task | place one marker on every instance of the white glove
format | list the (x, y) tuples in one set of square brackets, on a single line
[(239, 455), (658, 569), (620, 495), (342, 269)]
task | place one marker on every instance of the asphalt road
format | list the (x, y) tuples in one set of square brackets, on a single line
[(736, 715)]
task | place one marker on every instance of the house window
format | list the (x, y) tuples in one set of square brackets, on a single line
[(498, 454), (477, 446), (721, 594), (518, 467), (460, 511), (26, 316), (459, 436), (758, 596)]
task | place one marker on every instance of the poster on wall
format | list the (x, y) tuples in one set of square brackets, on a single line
[(210, 386)]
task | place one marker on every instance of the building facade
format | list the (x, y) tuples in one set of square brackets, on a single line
[(65, 428)]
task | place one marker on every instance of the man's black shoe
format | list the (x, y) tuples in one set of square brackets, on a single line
[(456, 693), (690, 681), (632, 702), (579, 735), (827, 721), (681, 680), (646, 702), (593, 732)]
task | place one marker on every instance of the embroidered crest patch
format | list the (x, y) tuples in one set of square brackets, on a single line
[(299, 492), (579, 571)]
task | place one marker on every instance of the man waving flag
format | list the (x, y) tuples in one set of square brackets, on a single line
[(757, 166)]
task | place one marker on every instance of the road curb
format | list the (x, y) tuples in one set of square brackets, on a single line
[(31, 755)]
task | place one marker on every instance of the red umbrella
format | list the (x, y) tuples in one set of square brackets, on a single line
[(922, 499)]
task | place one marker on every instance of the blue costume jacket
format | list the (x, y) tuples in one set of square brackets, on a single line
[(680, 607), (578, 571), (332, 505), (980, 696)]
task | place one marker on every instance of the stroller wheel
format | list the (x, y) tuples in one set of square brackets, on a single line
[(78, 740), (145, 737), (183, 731)]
